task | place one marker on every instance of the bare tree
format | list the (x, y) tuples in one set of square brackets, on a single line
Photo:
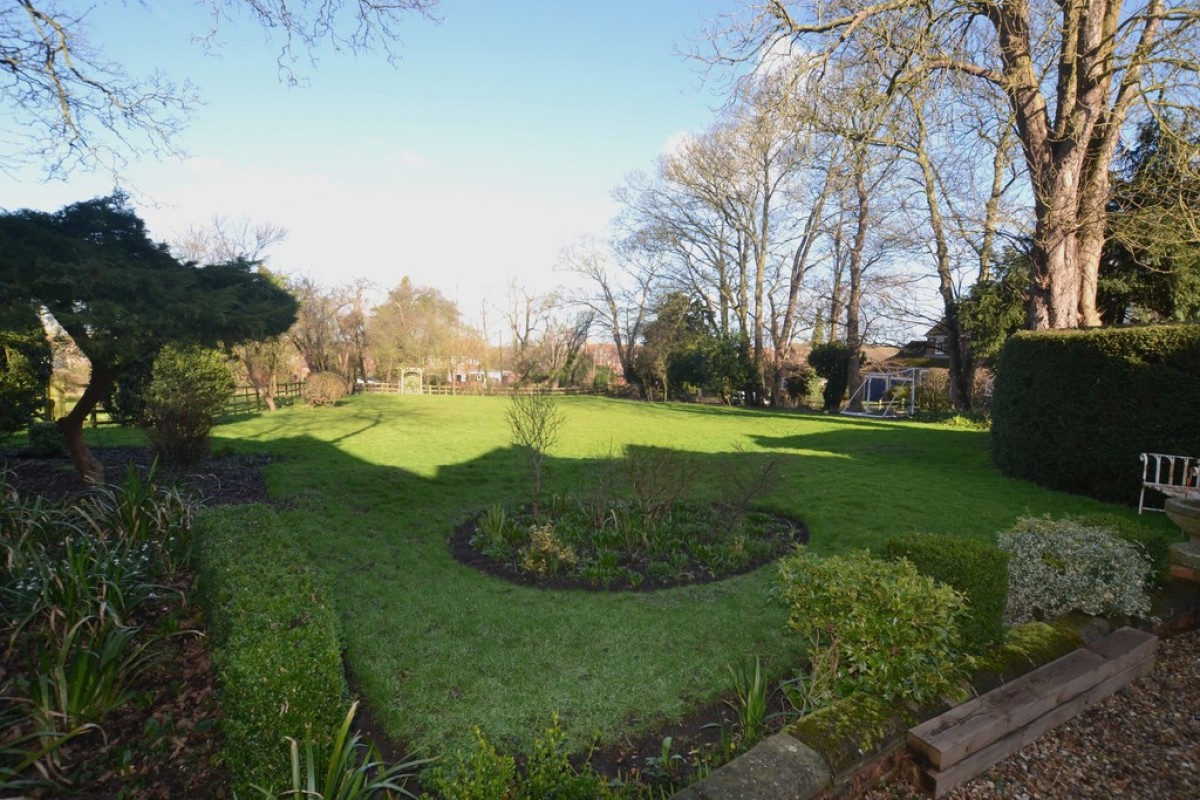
[(1073, 72), (223, 240), (617, 300), (71, 105)]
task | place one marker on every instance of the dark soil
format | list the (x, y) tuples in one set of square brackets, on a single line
[(215, 481), (465, 553), (166, 743)]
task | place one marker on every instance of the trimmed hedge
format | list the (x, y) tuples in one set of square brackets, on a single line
[(276, 647), (977, 569), (1073, 409)]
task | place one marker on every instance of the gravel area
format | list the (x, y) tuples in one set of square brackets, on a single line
[(1143, 742)]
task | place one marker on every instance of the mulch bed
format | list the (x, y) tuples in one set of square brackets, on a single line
[(227, 480), (167, 743), (466, 554)]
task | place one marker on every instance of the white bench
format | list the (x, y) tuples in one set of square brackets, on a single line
[(1173, 476)]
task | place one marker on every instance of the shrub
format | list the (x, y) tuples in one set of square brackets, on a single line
[(874, 626), (324, 389), (485, 774), (832, 362), (24, 368), (977, 569), (275, 640), (1073, 409), (1153, 542), (545, 554), (46, 441), (1059, 566), (189, 388)]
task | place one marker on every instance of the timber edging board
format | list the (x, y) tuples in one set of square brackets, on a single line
[(969, 738)]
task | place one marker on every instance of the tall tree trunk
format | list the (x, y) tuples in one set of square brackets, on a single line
[(854, 301), (960, 377), (89, 468)]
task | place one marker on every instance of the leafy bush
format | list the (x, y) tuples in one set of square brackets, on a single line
[(1154, 542), (485, 774), (347, 769), (545, 554), (275, 642), (977, 569), (189, 388), (24, 367), (1073, 409), (832, 362), (324, 389), (875, 626), (46, 441), (1059, 566)]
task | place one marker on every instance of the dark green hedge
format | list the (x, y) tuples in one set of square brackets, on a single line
[(275, 641), (1073, 409), (977, 569)]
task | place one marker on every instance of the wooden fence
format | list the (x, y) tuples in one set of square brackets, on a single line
[(245, 398), (474, 390)]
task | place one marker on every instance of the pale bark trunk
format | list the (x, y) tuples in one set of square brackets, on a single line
[(854, 302)]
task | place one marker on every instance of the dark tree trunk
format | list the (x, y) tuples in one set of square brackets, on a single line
[(90, 470)]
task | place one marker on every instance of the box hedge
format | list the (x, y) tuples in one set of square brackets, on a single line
[(977, 569), (1073, 410), (275, 642)]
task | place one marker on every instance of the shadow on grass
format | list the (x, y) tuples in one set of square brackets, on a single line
[(438, 648)]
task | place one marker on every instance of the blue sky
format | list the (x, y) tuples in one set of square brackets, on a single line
[(493, 142)]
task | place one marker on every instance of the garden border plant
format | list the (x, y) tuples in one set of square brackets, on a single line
[(276, 643), (81, 617)]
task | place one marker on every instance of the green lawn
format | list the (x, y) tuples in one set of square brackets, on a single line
[(375, 487)]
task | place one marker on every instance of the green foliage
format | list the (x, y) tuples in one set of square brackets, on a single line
[(1059, 566), (995, 309), (1154, 542), (347, 769), (799, 381), (977, 569), (87, 675), (712, 363), (45, 440), (751, 695), (72, 580), (621, 545), (1150, 266), (831, 361), (125, 402), (275, 638), (24, 367), (324, 389), (876, 626), (485, 774), (189, 389), (121, 296), (1074, 409)]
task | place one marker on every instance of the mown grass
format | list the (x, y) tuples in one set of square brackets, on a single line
[(373, 489)]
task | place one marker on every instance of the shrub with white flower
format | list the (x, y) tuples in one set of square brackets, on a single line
[(1059, 566)]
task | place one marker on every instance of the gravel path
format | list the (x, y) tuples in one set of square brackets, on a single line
[(1143, 742)]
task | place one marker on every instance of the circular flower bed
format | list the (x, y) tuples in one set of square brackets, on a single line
[(621, 546)]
